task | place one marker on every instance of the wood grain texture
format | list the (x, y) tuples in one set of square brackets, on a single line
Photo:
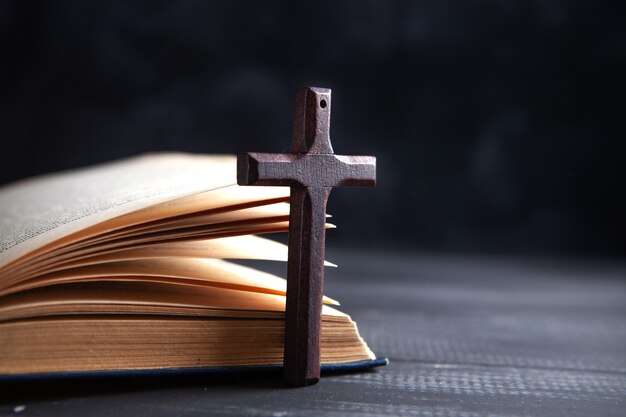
[(311, 170)]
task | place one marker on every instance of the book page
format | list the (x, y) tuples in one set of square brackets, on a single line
[(119, 296), (185, 271), (38, 211), (236, 247)]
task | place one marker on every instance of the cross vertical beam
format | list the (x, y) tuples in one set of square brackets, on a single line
[(311, 170), (305, 283)]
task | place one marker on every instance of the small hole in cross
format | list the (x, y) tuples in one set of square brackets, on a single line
[(323, 103)]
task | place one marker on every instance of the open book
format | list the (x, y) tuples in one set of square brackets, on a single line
[(123, 266)]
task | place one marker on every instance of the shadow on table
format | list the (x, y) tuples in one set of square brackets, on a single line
[(41, 389)]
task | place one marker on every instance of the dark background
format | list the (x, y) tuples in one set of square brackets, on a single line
[(498, 125)]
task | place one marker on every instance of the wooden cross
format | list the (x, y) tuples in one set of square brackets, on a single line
[(311, 170)]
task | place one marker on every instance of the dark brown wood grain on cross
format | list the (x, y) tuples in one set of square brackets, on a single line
[(311, 170)]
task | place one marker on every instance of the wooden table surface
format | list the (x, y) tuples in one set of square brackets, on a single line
[(465, 336)]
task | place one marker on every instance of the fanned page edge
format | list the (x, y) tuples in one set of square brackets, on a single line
[(194, 174), (223, 199)]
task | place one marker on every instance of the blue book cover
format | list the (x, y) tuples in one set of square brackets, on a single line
[(328, 368)]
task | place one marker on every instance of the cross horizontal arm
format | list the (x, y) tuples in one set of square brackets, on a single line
[(305, 170)]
